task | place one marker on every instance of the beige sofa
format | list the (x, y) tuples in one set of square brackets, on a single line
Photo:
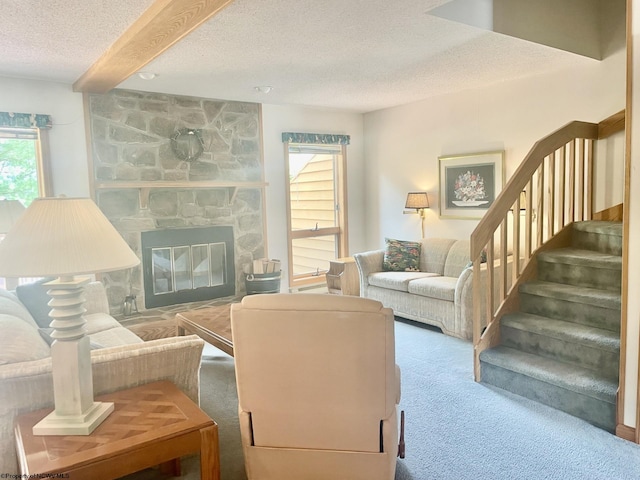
[(318, 387), (439, 294), (120, 360)]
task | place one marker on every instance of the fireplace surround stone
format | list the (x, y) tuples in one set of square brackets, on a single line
[(140, 184)]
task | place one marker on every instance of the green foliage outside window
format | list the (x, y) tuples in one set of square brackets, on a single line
[(18, 170)]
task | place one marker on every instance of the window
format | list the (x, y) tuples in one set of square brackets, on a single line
[(24, 176), (316, 204), (23, 170)]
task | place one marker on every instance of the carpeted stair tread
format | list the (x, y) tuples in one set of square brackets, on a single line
[(569, 377), (599, 226), (581, 257), (565, 331), (572, 293), (599, 236)]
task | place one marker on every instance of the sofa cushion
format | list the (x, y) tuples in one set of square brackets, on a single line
[(10, 305), (442, 288), (434, 254), (105, 331), (97, 322), (457, 259), (45, 333), (401, 256), (20, 342), (396, 280), (34, 296), (114, 337)]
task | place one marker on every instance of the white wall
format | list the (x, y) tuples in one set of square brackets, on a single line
[(67, 144), (278, 119), (402, 144)]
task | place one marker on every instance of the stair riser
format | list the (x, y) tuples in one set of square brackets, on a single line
[(580, 313), (598, 242), (597, 412), (580, 276), (605, 362)]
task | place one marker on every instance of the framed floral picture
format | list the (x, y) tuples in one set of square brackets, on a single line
[(469, 184)]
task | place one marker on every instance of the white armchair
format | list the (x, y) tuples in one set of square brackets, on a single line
[(318, 387)]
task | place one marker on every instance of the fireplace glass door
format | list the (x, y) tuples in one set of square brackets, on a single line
[(188, 267), (179, 267)]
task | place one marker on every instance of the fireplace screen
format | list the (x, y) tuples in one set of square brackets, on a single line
[(180, 267), (188, 267)]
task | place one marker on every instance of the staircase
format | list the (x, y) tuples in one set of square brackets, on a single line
[(562, 348)]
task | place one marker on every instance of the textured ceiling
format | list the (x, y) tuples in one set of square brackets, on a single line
[(356, 55)]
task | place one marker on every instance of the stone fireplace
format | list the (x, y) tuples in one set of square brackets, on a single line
[(149, 192)]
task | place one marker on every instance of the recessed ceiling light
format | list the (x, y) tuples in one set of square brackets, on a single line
[(263, 88), (147, 75)]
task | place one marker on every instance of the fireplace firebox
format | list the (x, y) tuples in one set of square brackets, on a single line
[(187, 265)]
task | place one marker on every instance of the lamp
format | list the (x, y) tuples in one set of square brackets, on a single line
[(418, 201), (65, 237), (10, 211)]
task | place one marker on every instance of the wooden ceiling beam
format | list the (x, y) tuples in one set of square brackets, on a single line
[(163, 24)]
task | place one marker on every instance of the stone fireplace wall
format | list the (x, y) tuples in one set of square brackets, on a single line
[(140, 184)]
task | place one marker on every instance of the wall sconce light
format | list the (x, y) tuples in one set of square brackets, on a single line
[(417, 201)]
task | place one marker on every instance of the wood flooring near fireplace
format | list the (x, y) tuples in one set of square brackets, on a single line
[(160, 322)]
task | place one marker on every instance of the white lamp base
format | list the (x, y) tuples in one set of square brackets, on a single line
[(75, 411), (84, 424)]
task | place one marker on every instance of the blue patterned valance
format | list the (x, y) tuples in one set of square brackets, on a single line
[(317, 138), (24, 120)]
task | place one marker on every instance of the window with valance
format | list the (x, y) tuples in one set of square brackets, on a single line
[(315, 166)]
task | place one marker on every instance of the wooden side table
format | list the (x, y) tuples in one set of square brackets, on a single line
[(343, 277), (151, 425)]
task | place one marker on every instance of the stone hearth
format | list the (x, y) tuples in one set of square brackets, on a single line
[(141, 185)]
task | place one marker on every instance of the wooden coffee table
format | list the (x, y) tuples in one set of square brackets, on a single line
[(212, 324), (151, 425)]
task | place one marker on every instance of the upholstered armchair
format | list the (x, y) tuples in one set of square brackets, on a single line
[(318, 387)]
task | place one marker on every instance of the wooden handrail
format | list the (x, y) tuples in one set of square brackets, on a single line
[(542, 148), (614, 124), (556, 177)]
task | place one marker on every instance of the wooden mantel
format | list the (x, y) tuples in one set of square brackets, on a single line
[(146, 187)]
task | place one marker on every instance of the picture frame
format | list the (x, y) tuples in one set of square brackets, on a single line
[(469, 183)]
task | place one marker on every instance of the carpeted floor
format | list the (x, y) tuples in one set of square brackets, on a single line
[(455, 428)]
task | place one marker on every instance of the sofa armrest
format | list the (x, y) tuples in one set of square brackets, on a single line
[(463, 301), (176, 359), (368, 263), (28, 386), (464, 297)]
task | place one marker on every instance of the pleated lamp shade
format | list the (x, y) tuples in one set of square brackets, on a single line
[(63, 237), (10, 211), (417, 200)]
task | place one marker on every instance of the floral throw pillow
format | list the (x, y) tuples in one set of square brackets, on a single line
[(401, 256)]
